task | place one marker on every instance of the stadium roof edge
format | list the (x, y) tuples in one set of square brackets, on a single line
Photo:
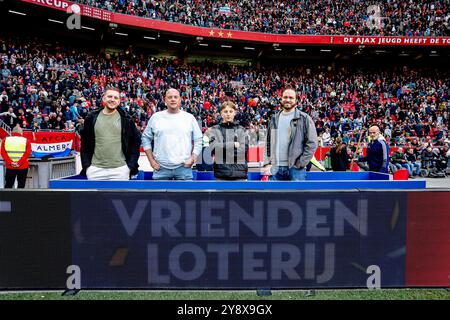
[(235, 35)]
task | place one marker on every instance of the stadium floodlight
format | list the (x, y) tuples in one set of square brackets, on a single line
[(203, 44), (17, 12), (56, 21), (149, 38), (226, 46), (121, 34), (325, 50), (434, 52), (300, 50), (249, 48), (278, 49), (174, 41), (87, 28)]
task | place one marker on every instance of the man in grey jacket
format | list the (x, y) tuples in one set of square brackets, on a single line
[(291, 141)]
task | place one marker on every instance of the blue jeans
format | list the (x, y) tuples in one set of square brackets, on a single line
[(284, 173), (180, 173), (417, 166)]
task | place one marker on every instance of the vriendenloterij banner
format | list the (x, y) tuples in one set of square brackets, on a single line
[(238, 240)]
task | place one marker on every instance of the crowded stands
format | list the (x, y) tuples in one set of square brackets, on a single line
[(323, 17), (53, 87)]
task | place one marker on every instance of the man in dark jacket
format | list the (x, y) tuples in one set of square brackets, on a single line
[(228, 141), (400, 160), (339, 156), (291, 141), (377, 152), (413, 161), (110, 141), (9, 117)]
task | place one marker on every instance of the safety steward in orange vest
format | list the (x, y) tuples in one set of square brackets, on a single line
[(15, 151)]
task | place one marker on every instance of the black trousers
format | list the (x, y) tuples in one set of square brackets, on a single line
[(10, 178)]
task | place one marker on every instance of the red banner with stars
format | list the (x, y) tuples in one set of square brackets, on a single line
[(213, 33)]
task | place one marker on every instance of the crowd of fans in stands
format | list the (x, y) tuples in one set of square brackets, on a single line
[(52, 87), (322, 17)]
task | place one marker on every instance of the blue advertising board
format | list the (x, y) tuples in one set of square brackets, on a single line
[(238, 239)]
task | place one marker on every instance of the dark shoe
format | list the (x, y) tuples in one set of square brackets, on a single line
[(310, 293), (263, 292)]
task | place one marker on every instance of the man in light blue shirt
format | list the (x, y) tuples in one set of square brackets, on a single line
[(172, 140)]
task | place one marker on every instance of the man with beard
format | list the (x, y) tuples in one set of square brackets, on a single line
[(291, 141), (110, 141)]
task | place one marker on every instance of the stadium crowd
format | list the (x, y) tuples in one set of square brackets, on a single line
[(323, 17), (54, 87)]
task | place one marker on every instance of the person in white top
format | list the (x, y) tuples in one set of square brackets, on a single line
[(326, 136), (172, 140)]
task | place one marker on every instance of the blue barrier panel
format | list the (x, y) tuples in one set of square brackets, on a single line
[(238, 240), (205, 181), (231, 185)]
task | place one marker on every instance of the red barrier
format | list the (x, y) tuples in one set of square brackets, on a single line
[(3, 133), (402, 174), (354, 167), (428, 239), (321, 153), (254, 154)]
